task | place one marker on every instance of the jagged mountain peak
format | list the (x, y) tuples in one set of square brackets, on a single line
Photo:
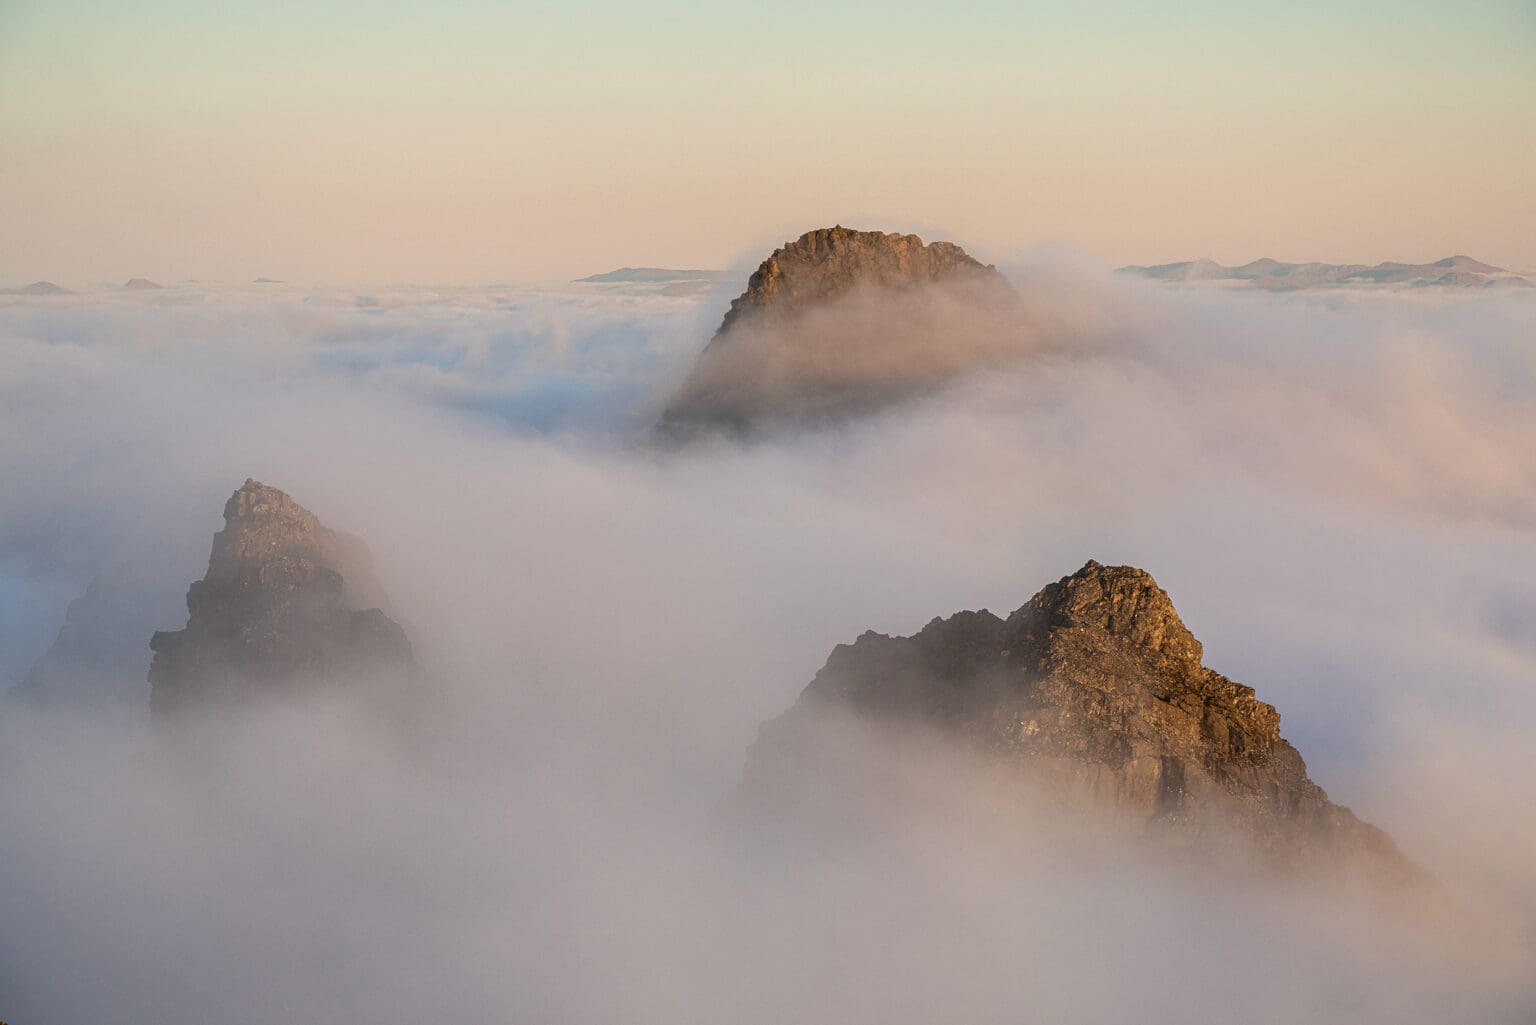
[(1122, 601), (258, 516), (1092, 693), (286, 604), (842, 322)]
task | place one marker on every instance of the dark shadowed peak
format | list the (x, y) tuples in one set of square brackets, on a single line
[(286, 604), (98, 654), (1091, 695), (141, 285)]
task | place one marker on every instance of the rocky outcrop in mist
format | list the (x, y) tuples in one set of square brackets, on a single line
[(827, 263), (840, 322), (287, 605), (1092, 694)]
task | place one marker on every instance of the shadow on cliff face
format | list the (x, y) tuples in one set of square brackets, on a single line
[(1336, 491)]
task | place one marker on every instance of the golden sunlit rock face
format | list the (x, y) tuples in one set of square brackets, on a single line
[(826, 263), (1094, 696), (842, 322)]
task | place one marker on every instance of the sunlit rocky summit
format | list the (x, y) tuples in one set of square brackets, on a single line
[(287, 606), (828, 263), (1091, 695), (840, 322)]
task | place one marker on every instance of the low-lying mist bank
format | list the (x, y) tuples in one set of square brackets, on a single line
[(305, 867), (1337, 490)]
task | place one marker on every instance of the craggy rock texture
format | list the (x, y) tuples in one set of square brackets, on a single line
[(1093, 692), (829, 262), (286, 604), (840, 321)]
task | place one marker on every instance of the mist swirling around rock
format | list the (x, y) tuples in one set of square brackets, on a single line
[(842, 322), (287, 605), (1090, 697)]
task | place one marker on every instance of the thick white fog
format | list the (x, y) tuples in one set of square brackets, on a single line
[(1338, 491)]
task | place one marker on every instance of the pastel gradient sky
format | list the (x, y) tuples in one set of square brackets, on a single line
[(472, 142)]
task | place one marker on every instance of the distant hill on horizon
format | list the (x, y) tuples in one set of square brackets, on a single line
[(651, 276), (141, 285), (38, 288), (1275, 276)]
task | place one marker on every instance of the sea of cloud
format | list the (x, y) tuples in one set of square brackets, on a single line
[(1338, 489)]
